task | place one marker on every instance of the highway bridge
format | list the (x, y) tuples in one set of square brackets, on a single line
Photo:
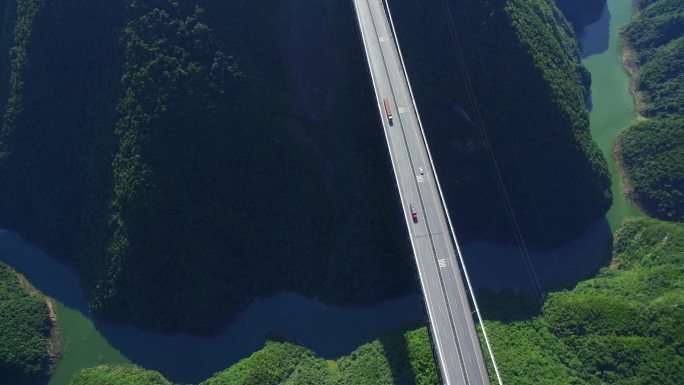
[(436, 251)]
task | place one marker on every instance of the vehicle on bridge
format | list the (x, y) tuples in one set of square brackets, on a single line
[(414, 213), (388, 111)]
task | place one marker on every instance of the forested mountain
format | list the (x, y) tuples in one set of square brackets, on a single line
[(652, 152), (506, 77), (188, 156)]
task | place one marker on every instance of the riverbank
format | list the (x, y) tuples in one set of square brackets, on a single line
[(649, 151), (54, 340), (629, 61)]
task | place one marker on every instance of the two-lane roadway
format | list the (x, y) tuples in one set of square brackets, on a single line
[(452, 327)]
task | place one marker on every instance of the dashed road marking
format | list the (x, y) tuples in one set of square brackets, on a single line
[(442, 262), (420, 178)]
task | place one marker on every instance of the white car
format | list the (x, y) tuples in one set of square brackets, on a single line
[(421, 171)]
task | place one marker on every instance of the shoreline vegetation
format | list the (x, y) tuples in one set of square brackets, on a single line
[(629, 60), (55, 344), (29, 331), (630, 63), (650, 153)]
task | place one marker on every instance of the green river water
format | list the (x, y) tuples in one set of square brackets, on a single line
[(184, 357), (613, 104)]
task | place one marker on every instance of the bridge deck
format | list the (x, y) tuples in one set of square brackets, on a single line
[(453, 330)]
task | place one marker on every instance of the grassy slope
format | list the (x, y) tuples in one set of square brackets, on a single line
[(652, 152), (393, 359), (24, 328)]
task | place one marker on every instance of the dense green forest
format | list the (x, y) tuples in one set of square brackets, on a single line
[(581, 12), (652, 152), (621, 327), (24, 330), (399, 358), (506, 78)]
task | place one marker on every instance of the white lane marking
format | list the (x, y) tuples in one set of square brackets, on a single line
[(383, 39), (402, 110), (420, 179), (442, 262)]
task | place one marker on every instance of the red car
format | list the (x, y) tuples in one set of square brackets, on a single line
[(414, 213)]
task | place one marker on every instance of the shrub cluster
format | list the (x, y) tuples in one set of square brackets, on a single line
[(24, 329)]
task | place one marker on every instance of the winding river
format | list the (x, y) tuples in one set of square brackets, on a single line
[(327, 330), (333, 331)]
